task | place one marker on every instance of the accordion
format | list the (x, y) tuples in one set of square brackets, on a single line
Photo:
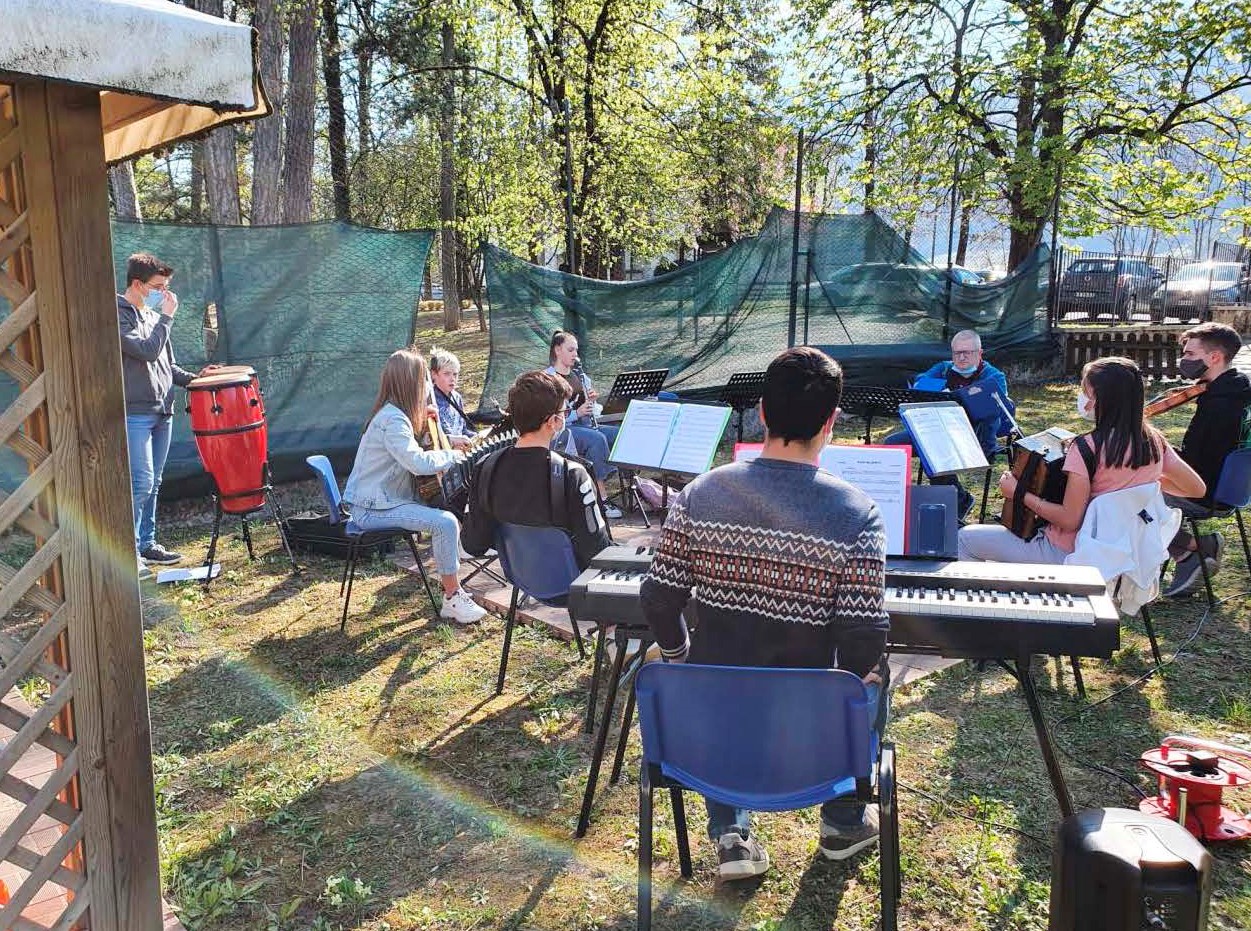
[(449, 490)]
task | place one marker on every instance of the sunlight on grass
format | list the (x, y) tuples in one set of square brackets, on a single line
[(312, 780)]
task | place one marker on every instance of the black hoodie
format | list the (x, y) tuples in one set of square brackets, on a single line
[(1216, 428)]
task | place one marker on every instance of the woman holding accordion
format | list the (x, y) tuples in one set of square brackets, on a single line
[(381, 492)]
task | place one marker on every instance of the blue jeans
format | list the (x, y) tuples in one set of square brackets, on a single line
[(443, 527), (147, 444), (836, 813), (594, 444)]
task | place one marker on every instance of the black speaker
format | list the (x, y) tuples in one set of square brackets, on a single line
[(1113, 869)]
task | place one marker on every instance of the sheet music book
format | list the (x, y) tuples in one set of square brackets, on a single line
[(943, 437), (670, 436), (881, 472)]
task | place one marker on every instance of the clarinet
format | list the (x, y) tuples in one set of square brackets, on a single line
[(581, 373)]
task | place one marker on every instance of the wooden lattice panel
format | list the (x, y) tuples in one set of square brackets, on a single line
[(41, 824)]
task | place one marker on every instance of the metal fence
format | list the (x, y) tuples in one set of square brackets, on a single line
[(1117, 289)]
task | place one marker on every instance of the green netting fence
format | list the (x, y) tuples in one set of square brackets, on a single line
[(314, 308), (864, 296)]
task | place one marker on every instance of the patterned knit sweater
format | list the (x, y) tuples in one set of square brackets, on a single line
[(786, 564)]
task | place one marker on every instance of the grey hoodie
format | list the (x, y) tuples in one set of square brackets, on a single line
[(149, 372)]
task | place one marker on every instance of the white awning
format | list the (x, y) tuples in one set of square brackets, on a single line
[(167, 72)]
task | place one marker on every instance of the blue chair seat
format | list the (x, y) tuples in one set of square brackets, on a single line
[(800, 737), (360, 540), (538, 561), (1232, 494)]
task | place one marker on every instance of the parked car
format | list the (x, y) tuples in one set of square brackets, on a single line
[(1198, 285), (901, 289), (1096, 286)]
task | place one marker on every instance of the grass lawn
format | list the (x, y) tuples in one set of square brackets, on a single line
[(311, 780)]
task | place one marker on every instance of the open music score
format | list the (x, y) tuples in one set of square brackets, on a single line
[(670, 436), (943, 437), (881, 472)]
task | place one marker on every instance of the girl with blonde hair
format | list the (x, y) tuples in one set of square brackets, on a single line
[(380, 492)]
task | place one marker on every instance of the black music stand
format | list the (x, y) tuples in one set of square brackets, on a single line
[(641, 384), (869, 401), (742, 392)]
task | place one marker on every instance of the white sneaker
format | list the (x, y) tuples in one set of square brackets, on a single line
[(461, 609), (612, 512), (465, 555), (144, 571)]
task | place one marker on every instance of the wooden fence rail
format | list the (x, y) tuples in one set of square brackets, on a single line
[(1155, 349)]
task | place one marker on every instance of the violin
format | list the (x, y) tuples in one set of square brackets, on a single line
[(1175, 398)]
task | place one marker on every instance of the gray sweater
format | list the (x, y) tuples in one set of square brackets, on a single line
[(149, 371), (786, 564)]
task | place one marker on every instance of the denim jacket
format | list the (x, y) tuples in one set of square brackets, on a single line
[(386, 461)]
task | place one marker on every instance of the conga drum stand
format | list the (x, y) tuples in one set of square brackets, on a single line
[(222, 506)]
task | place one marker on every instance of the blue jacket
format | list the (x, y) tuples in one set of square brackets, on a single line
[(386, 461), (1001, 424)]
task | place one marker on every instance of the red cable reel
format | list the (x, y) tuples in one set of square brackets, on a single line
[(1192, 775)]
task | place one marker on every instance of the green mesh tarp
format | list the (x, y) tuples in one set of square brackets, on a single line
[(863, 295), (315, 309)]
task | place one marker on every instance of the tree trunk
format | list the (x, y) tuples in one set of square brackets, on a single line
[(447, 187), (299, 107), (122, 187), (364, 79), (221, 164), (197, 180), (336, 123), (267, 133), (221, 176), (962, 239)]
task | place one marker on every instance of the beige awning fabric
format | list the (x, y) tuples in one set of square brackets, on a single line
[(135, 125), (166, 72)]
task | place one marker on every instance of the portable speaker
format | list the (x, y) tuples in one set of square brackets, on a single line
[(1113, 869)]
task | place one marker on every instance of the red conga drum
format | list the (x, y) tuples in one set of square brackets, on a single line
[(228, 421)]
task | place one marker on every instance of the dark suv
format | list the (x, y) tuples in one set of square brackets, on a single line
[(1093, 287)]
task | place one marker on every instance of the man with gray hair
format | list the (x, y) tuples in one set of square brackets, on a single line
[(965, 368)]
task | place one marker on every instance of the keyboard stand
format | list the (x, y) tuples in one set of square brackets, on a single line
[(622, 635), (1021, 672)]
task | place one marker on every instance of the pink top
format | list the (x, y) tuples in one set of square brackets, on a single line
[(1108, 478)]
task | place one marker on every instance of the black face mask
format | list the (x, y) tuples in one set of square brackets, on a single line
[(1192, 368)]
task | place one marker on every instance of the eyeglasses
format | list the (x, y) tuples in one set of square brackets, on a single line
[(965, 352)]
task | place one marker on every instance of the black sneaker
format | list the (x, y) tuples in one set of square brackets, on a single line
[(160, 555), (839, 843), (739, 857), (1187, 576)]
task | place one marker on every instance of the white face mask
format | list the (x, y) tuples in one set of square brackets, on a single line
[(1085, 406)]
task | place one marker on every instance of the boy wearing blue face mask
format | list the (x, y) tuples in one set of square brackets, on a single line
[(966, 368), (145, 313)]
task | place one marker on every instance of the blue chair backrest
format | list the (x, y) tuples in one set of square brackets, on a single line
[(754, 738), (538, 560), (329, 486), (1233, 488)]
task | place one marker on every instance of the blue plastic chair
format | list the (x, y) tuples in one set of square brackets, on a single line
[(1233, 493), (359, 541), (800, 737), (539, 562)]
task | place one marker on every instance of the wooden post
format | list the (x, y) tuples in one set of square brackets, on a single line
[(60, 132)]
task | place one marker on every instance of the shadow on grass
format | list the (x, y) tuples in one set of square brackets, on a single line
[(208, 706), (381, 827)]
